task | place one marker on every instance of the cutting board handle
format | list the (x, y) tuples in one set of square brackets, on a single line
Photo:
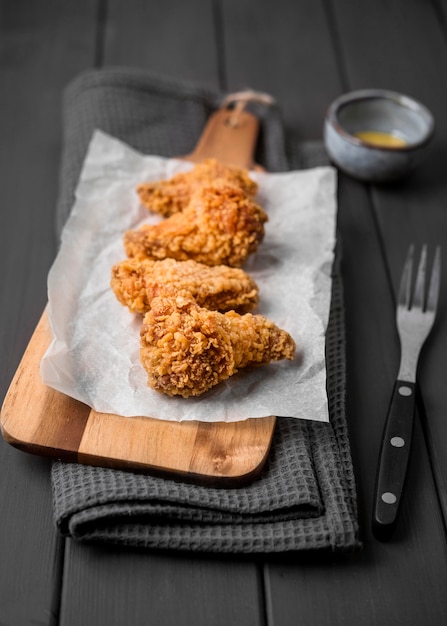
[(231, 133)]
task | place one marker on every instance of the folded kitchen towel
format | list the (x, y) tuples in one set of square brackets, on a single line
[(305, 497)]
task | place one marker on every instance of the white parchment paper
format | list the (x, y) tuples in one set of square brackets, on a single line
[(94, 356)]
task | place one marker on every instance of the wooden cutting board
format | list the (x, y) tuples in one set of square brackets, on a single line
[(40, 420)]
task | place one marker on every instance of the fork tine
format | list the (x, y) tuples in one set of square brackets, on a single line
[(419, 288), (405, 281), (435, 280)]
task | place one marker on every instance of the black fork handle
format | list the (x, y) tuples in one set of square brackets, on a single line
[(393, 459)]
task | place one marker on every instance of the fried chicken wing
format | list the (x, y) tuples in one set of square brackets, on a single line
[(186, 349), (136, 283), (171, 196), (220, 226)]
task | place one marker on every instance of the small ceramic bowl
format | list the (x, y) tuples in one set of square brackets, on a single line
[(377, 135)]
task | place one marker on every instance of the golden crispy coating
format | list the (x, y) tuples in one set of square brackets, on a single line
[(186, 349), (171, 196), (220, 226), (220, 288)]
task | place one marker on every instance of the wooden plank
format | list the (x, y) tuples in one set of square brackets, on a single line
[(118, 586), (413, 212), (169, 38), (285, 49), (42, 47)]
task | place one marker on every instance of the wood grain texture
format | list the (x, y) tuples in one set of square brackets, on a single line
[(43, 45), (352, 589), (173, 38), (412, 213), (230, 137), (113, 586), (285, 49), (305, 53)]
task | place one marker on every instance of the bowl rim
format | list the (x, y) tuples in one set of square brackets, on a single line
[(332, 116)]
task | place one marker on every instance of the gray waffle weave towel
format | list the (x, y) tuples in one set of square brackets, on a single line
[(305, 498)]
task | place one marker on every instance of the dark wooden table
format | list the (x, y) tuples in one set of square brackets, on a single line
[(305, 53)]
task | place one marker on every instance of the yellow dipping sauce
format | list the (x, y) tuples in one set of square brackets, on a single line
[(382, 140)]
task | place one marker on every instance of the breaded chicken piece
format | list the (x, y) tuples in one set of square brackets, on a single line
[(171, 196), (136, 283), (186, 349), (220, 226)]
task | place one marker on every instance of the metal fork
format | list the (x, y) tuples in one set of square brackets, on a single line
[(414, 317)]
